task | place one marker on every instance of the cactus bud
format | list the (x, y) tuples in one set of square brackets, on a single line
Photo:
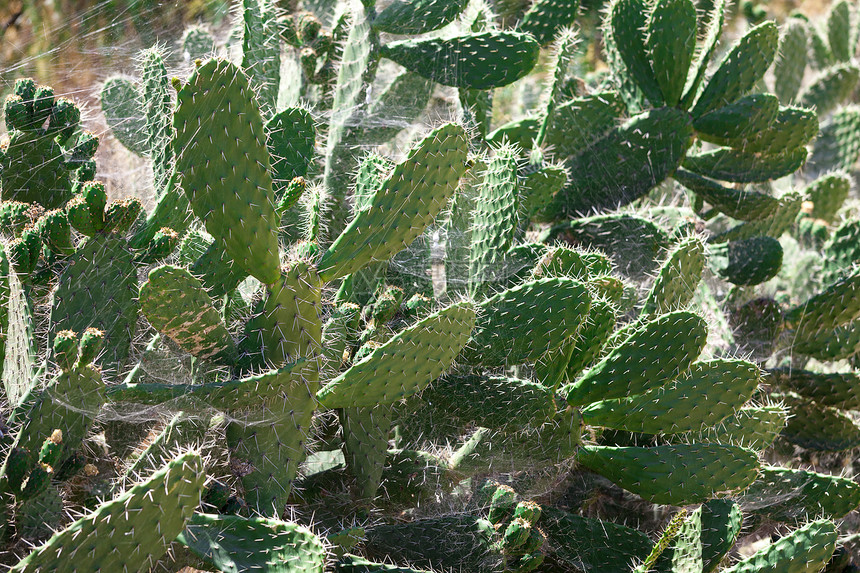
[(25, 88), (288, 30), (528, 563), (14, 217), (88, 144), (515, 535), (64, 119), (15, 110), (502, 504), (56, 232), (43, 103), (20, 256), (66, 349), (122, 214), (80, 216), (91, 343), (307, 27), (95, 195), (534, 542), (292, 194), (161, 245), (417, 306), (52, 449), (528, 510)]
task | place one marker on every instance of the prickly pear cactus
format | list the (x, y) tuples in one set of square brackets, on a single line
[(604, 317)]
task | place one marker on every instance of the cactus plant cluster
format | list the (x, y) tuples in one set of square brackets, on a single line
[(619, 331)]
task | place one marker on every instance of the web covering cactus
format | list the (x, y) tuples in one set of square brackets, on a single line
[(441, 344)]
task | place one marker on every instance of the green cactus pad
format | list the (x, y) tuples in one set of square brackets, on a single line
[(743, 66), (539, 188), (545, 18), (839, 343), (704, 396), (340, 332), (818, 427), (176, 304), (16, 216), (561, 261), (234, 543), (414, 17), (217, 124), (291, 136), (462, 61), (16, 341), (70, 404), (521, 324), (197, 43), (214, 267), (737, 122), (157, 109), (111, 308), (839, 33), (249, 392), (831, 88), (746, 205), (650, 146), (751, 427), (286, 323), (592, 336), (628, 22), (119, 534), (838, 144), (353, 564), (123, 111), (418, 354), (576, 124), (842, 250), (793, 127), (790, 64), (705, 537), (679, 276), (32, 170), (409, 200), (494, 219), (601, 546), (820, 53), (806, 550), (840, 390), (674, 475), (261, 51), (745, 167), (521, 132), (349, 91), (493, 402), (773, 225), (789, 495), (713, 32), (460, 541), (828, 194), (837, 305), (650, 357), (365, 445), (269, 442), (633, 243), (671, 45), (747, 261)]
